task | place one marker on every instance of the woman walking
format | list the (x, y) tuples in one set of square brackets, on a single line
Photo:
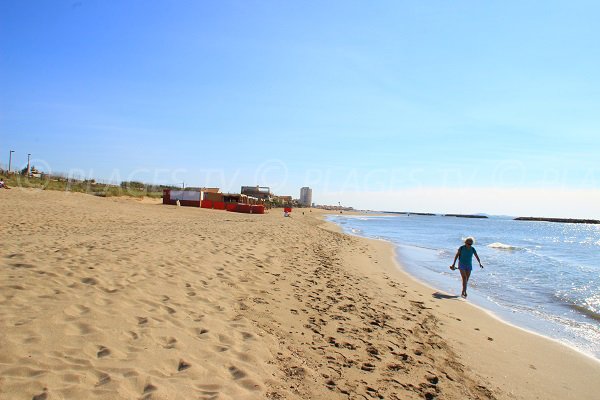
[(464, 255)]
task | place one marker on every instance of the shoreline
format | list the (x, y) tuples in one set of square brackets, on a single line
[(495, 310), (118, 299), (493, 314), (536, 338)]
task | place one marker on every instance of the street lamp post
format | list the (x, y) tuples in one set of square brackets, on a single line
[(10, 159), (28, 165)]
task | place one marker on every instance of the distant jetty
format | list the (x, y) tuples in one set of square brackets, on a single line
[(465, 216), (563, 220), (408, 213)]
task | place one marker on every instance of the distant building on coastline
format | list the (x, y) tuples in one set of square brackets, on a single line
[(306, 196)]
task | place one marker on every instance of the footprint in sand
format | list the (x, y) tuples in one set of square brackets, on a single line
[(373, 351), (226, 340), (41, 396), (149, 388), (236, 373), (208, 395), (368, 367), (183, 365), (209, 391), (103, 379), (89, 281), (395, 367), (201, 332), (79, 329), (373, 392), (249, 384), (75, 311), (22, 265), (102, 352), (169, 342), (245, 357), (170, 310), (15, 255), (133, 335), (210, 387)]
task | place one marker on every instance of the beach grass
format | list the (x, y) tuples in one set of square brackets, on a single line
[(130, 189)]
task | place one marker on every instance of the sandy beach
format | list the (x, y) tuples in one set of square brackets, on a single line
[(118, 298)]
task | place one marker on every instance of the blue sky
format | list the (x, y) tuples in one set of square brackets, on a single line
[(350, 98)]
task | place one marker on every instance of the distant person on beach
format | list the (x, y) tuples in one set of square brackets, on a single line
[(464, 255), (3, 185)]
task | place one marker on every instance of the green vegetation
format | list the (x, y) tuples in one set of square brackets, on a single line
[(45, 182)]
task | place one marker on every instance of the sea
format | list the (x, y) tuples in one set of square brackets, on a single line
[(540, 276)]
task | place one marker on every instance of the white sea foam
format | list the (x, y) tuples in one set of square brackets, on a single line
[(367, 217), (502, 246)]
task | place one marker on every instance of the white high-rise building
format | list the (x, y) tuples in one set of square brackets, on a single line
[(306, 196)]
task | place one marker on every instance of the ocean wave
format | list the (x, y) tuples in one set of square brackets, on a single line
[(367, 217), (588, 306), (502, 246), (585, 311)]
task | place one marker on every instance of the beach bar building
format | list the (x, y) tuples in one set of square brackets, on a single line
[(214, 199), (188, 198)]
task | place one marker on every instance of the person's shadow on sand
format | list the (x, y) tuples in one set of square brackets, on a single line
[(443, 296)]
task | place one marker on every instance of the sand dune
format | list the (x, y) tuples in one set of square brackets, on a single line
[(121, 299)]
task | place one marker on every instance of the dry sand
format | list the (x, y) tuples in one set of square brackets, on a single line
[(125, 299)]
